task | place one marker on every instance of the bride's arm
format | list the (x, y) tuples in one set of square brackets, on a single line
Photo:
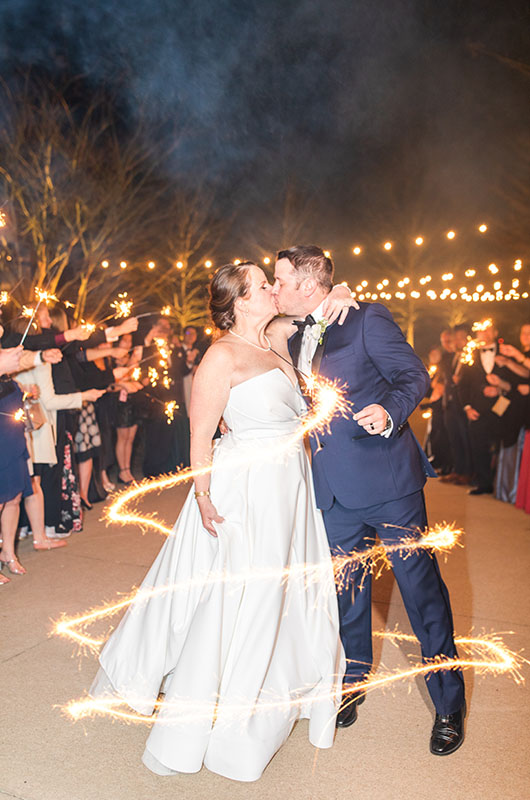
[(209, 396), (337, 305)]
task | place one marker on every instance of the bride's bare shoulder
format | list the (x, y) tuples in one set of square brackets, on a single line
[(219, 355)]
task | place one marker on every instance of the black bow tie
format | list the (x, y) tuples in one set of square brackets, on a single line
[(487, 349), (302, 324)]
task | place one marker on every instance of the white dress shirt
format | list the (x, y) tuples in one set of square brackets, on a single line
[(310, 339), (487, 358)]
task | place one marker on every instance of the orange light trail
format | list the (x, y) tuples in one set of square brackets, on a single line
[(486, 654), (440, 538)]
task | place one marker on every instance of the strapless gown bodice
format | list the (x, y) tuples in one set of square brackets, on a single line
[(264, 406)]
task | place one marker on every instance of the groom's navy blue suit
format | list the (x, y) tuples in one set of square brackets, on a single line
[(364, 483)]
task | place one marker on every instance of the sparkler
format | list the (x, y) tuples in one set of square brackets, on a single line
[(27, 311), (4, 298), (441, 538), (153, 376), (169, 410), (482, 326), (136, 374), (18, 416), (487, 654), (44, 297), (122, 307), (467, 356)]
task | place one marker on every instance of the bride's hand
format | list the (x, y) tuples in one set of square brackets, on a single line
[(208, 514), (338, 303)]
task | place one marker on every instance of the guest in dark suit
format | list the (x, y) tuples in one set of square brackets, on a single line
[(455, 418), (369, 473), (479, 388)]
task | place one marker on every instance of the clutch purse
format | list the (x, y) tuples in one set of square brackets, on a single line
[(34, 417)]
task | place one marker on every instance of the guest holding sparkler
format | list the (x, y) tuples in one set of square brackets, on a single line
[(480, 388), (519, 363)]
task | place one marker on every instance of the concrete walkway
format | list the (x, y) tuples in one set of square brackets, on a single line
[(44, 756)]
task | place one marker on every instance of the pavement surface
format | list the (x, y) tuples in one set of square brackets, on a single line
[(46, 756)]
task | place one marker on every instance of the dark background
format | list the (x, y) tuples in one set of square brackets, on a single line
[(374, 120)]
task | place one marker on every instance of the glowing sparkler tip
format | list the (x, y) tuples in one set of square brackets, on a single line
[(122, 307), (18, 416)]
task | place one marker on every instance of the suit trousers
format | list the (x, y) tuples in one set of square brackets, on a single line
[(457, 430), (418, 576)]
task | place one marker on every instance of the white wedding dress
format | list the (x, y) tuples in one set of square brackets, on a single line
[(240, 633)]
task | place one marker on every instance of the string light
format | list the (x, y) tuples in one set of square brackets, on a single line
[(266, 260), (105, 264), (493, 268), (450, 235), (123, 265), (151, 265), (208, 264), (327, 253), (179, 265), (419, 240), (388, 245), (483, 228), (357, 250)]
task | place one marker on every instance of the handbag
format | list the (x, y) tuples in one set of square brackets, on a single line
[(34, 416)]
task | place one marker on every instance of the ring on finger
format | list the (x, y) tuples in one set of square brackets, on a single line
[(372, 426)]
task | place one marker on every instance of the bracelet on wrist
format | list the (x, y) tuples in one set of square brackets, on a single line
[(202, 494)]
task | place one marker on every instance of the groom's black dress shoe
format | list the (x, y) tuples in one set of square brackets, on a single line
[(448, 733), (348, 713), (482, 490)]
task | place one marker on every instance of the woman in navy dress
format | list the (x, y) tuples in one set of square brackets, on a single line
[(15, 481)]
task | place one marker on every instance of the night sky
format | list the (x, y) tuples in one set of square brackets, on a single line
[(375, 112)]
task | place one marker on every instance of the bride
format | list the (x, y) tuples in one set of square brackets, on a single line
[(226, 629)]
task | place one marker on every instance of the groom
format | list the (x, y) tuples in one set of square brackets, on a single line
[(369, 472)]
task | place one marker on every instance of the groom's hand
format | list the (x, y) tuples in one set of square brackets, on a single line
[(372, 418)]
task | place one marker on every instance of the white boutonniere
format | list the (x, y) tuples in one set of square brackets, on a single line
[(318, 330)]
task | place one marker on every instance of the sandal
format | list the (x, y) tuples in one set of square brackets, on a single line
[(49, 544), (12, 564), (3, 580)]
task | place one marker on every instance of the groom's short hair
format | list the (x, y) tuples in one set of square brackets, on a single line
[(310, 261)]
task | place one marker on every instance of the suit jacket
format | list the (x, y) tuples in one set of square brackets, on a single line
[(369, 355), (473, 382)]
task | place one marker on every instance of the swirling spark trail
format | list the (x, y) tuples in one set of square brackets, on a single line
[(486, 654)]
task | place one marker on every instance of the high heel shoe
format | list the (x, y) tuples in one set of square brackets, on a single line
[(108, 487), (86, 505), (120, 479), (12, 564)]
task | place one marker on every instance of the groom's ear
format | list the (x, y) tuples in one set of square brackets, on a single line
[(309, 286)]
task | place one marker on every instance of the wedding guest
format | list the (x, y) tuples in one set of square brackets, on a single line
[(437, 446), (15, 481), (521, 358), (78, 357), (179, 371), (455, 418), (126, 410), (42, 444), (158, 430), (479, 391), (193, 354)]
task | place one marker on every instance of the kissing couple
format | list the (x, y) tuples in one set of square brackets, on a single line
[(237, 631)]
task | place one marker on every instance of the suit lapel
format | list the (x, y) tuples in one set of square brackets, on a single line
[(319, 352)]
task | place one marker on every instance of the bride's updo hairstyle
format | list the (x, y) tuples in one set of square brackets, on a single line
[(228, 283)]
